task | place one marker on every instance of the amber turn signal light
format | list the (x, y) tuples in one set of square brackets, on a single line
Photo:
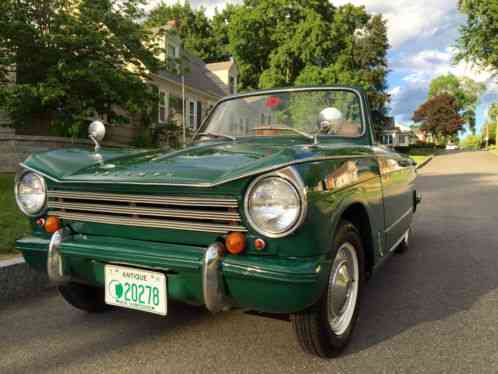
[(52, 224), (235, 242)]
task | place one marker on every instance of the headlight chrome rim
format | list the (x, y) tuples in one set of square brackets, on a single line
[(291, 177), (19, 178)]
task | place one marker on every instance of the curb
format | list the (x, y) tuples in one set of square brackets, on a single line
[(18, 280), (424, 163)]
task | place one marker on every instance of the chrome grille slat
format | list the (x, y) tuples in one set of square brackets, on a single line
[(146, 199), (206, 214), (147, 222), (144, 211)]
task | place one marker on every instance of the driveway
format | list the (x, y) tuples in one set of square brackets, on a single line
[(431, 310)]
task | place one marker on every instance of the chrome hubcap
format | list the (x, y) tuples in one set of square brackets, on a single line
[(343, 288)]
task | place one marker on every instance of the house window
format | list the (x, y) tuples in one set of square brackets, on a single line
[(171, 51), (163, 106), (387, 139), (172, 48), (200, 115)]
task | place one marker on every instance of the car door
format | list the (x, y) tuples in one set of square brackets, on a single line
[(397, 175)]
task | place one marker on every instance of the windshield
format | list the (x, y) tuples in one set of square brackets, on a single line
[(300, 113)]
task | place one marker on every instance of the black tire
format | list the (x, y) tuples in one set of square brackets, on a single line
[(311, 326), (404, 245), (87, 298)]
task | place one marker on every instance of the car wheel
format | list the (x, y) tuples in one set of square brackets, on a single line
[(87, 298), (325, 328), (403, 246)]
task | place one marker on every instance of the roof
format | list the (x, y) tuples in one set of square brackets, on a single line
[(198, 76), (403, 128), (222, 65)]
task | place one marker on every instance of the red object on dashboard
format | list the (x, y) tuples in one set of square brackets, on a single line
[(272, 102)]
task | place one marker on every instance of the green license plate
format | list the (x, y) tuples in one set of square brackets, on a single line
[(137, 289)]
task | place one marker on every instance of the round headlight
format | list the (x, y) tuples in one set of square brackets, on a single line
[(273, 206), (31, 193)]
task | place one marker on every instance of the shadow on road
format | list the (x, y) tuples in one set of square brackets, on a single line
[(451, 263), (76, 336)]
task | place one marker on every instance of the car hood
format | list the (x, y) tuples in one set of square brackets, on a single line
[(208, 164)]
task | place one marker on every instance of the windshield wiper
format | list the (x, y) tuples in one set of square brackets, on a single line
[(216, 135), (285, 128)]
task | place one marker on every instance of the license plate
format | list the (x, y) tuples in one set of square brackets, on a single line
[(137, 289)]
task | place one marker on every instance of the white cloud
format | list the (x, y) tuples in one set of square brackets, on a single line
[(408, 20), (406, 99), (421, 67), (429, 63), (395, 91)]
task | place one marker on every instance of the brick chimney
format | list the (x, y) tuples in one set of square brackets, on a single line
[(173, 23)]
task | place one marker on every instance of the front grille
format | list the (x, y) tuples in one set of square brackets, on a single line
[(214, 215)]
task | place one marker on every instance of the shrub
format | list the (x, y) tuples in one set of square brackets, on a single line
[(471, 142)]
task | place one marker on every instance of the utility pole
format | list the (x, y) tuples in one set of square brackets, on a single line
[(487, 136), (496, 114), (184, 135)]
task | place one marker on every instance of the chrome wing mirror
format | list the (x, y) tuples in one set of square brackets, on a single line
[(96, 132)]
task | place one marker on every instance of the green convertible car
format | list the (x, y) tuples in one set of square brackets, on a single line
[(282, 206)]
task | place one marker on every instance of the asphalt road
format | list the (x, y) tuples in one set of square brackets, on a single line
[(431, 310)]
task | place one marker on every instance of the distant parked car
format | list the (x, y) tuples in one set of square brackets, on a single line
[(451, 147), (282, 206)]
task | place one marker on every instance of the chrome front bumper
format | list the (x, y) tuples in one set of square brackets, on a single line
[(213, 289)]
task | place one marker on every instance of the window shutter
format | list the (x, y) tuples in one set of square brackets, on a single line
[(199, 113)]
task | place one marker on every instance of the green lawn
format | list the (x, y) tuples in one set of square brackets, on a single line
[(419, 159), (13, 224)]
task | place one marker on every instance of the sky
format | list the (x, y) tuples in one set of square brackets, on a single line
[(422, 35)]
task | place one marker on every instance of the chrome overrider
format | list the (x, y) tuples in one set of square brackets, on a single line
[(55, 262), (213, 290)]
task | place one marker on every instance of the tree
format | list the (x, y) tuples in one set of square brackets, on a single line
[(75, 59), (220, 24), (466, 92), (205, 38), (471, 142), (439, 116), (489, 130), (478, 40), (298, 42), (290, 42), (492, 111)]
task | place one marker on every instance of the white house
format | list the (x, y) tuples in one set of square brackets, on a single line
[(201, 84), (194, 92), (398, 136)]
